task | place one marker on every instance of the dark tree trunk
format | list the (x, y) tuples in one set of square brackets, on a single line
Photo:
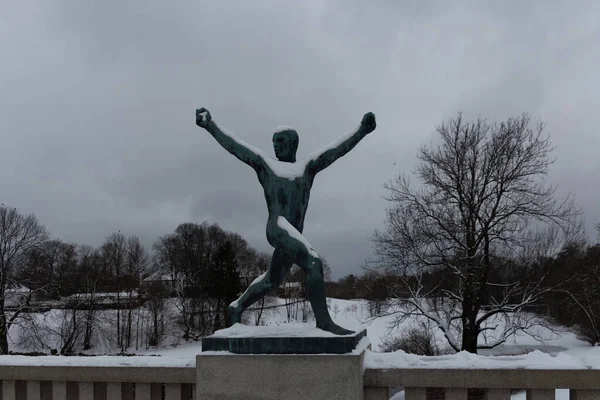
[(470, 331), (129, 321), (3, 333), (89, 328)]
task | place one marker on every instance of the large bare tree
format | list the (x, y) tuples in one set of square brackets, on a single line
[(468, 246), (19, 234)]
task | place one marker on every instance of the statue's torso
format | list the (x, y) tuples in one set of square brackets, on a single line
[(286, 196)]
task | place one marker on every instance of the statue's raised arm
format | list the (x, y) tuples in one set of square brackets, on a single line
[(323, 159), (228, 140)]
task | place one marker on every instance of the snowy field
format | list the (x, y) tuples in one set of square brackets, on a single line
[(551, 348), (560, 345)]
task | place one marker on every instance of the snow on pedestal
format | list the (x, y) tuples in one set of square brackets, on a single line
[(284, 330), (293, 338)]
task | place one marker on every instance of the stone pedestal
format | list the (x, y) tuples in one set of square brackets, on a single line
[(228, 376), (283, 362), (270, 341)]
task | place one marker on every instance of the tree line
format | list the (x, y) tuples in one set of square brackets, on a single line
[(120, 290)]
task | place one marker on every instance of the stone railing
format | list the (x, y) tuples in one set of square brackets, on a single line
[(97, 383), (155, 382), (492, 384)]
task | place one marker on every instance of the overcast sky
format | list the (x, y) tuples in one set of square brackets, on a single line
[(97, 104)]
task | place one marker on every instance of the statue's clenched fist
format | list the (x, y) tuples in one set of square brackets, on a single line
[(368, 122), (203, 117)]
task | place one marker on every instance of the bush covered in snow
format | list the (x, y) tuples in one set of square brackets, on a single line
[(419, 338)]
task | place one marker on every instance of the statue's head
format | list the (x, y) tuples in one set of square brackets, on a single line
[(285, 143)]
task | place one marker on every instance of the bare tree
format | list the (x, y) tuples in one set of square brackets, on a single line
[(18, 235), (187, 254), (156, 307), (179, 254), (114, 253), (69, 324), (90, 277), (293, 292), (60, 329), (484, 218), (577, 304), (377, 292), (257, 264), (136, 268), (50, 269)]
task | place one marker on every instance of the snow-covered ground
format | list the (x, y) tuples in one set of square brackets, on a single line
[(544, 348), (353, 314)]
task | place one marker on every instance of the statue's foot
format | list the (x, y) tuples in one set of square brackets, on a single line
[(333, 328), (234, 315)]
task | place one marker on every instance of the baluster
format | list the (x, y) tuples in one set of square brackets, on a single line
[(33, 390), (86, 391), (172, 391), (59, 390), (113, 391), (143, 391), (8, 390)]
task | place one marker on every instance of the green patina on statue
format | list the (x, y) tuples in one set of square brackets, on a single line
[(287, 185)]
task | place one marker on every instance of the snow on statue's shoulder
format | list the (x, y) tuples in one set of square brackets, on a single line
[(297, 169), (287, 170)]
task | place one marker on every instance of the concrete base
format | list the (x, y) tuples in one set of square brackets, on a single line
[(227, 376)]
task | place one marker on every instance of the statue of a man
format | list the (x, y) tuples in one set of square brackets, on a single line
[(287, 185)]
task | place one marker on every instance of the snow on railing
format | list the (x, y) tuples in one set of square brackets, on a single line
[(464, 376)]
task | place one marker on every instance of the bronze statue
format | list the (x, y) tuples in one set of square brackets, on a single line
[(287, 185)]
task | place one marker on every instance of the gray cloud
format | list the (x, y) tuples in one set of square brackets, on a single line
[(97, 104)]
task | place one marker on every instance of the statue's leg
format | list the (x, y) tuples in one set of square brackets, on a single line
[(261, 286), (297, 248)]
